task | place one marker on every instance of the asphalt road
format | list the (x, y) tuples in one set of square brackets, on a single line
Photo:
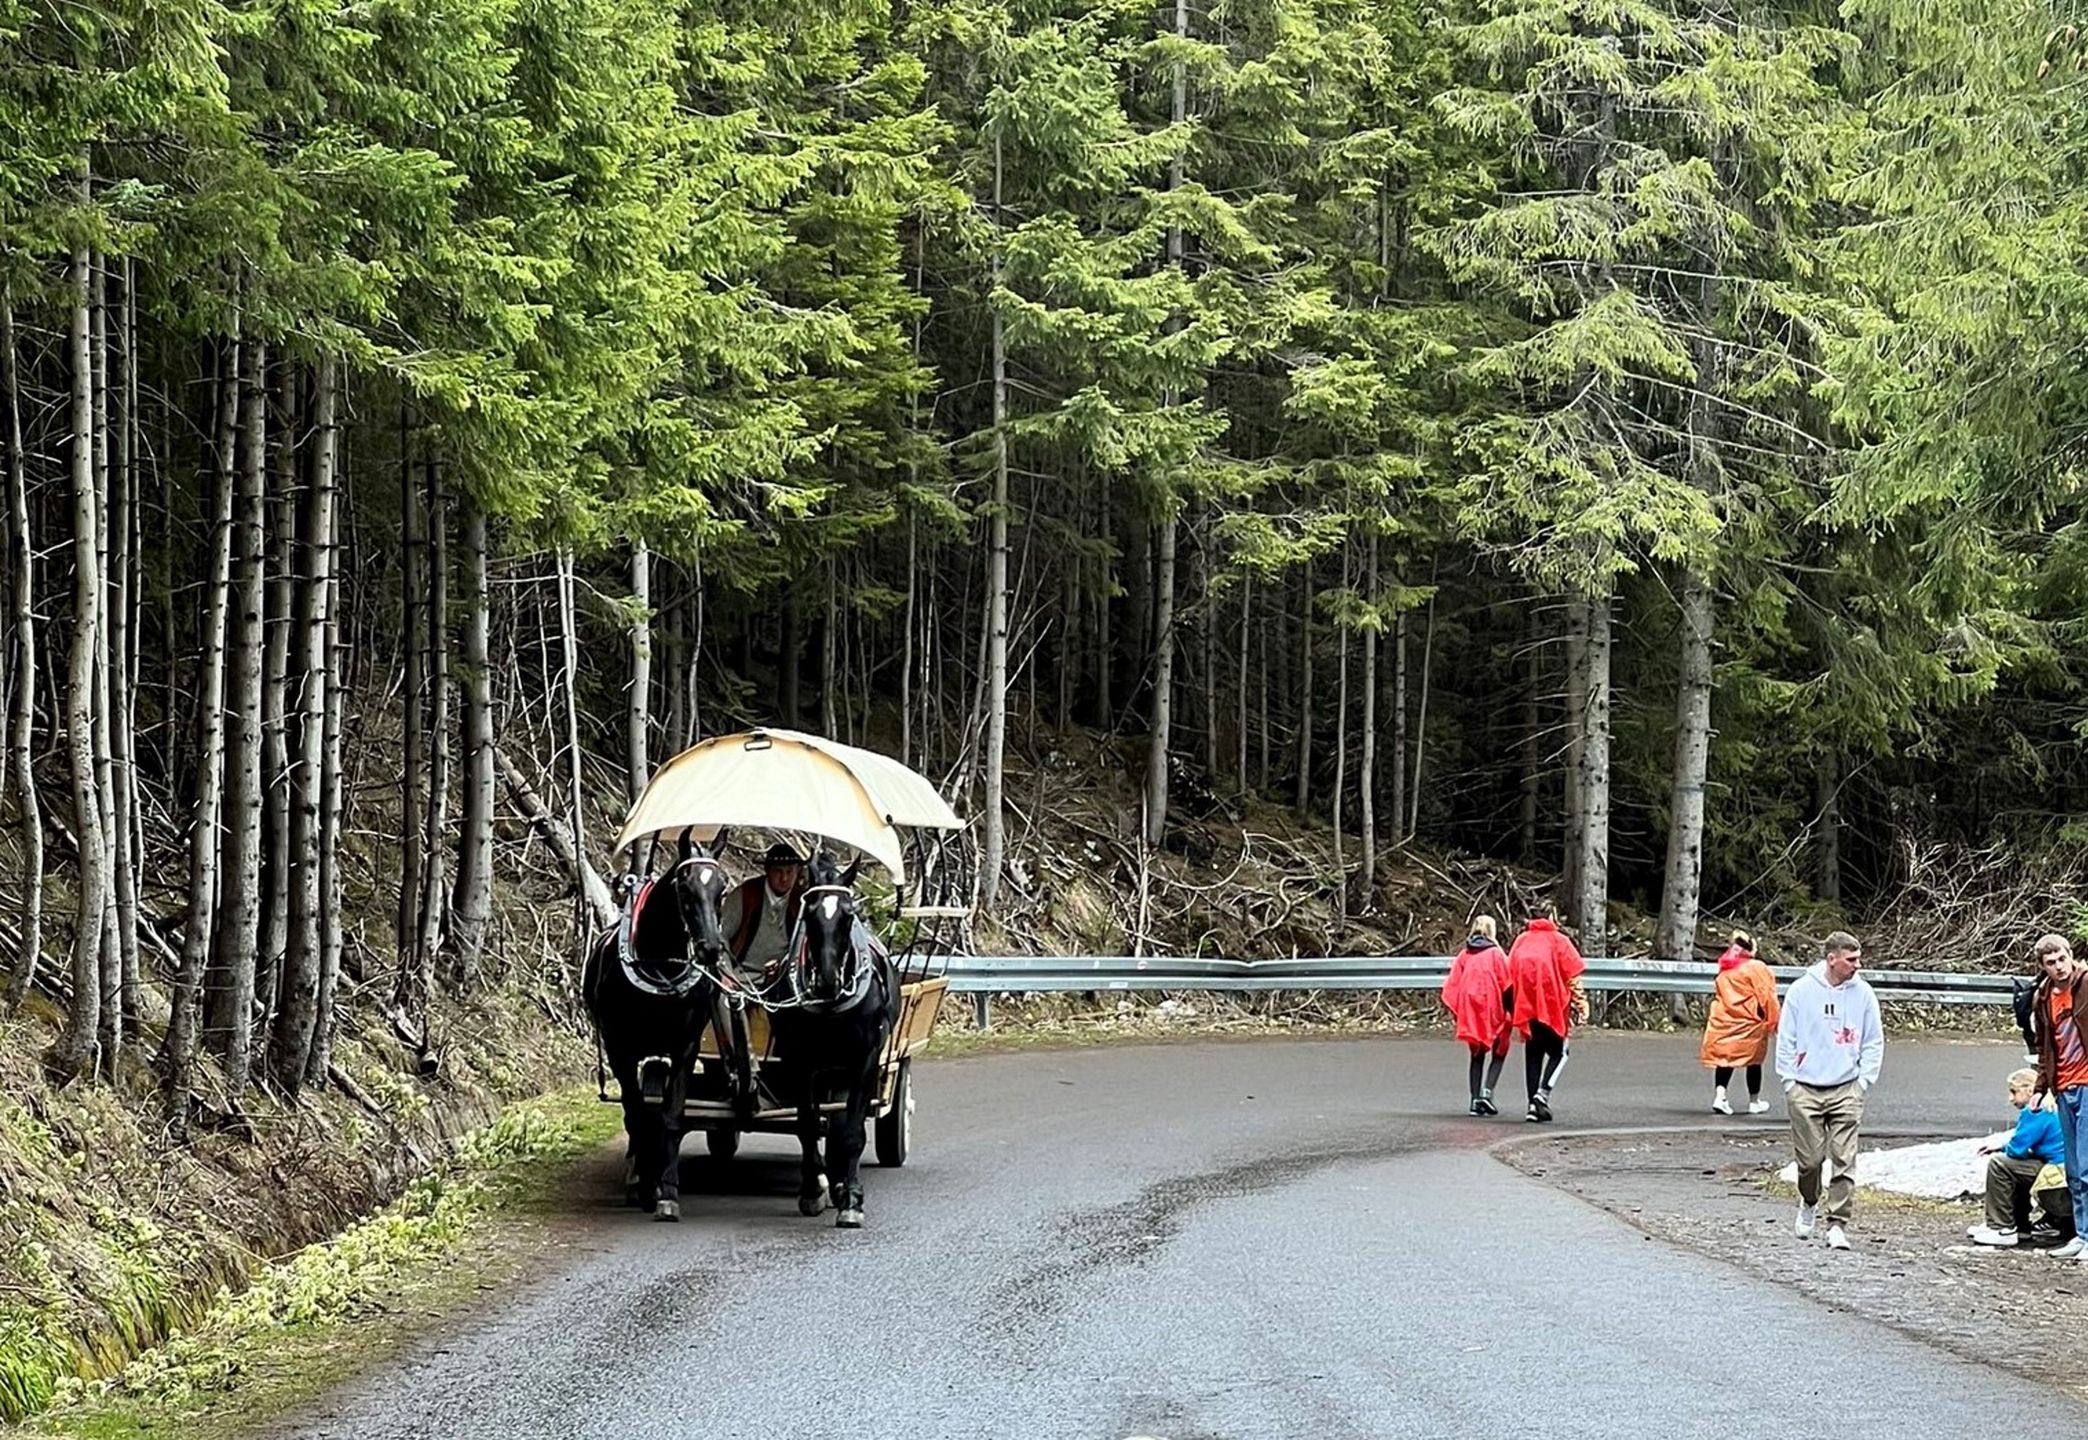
[(1215, 1240)]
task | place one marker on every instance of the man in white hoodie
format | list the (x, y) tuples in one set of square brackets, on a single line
[(1830, 1046)]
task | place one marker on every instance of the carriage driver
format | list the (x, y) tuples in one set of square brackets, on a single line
[(761, 914)]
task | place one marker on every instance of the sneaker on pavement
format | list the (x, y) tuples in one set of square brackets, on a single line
[(1837, 1238), (2071, 1250), (1487, 1107), (1983, 1235), (1473, 1108), (1540, 1109), (1804, 1228), (1719, 1104), (1758, 1107)]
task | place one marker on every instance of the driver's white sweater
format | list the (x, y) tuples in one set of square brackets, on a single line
[(1829, 1034)]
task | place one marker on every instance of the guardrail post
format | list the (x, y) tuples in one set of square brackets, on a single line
[(982, 1008)]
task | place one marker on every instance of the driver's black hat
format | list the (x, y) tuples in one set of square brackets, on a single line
[(780, 854)]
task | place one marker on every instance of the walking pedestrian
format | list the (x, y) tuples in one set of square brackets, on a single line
[(1741, 1025), (2014, 1167), (1479, 996), (2062, 1071), (1830, 1046), (1544, 971)]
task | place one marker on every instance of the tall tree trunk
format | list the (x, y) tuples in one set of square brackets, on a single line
[(638, 714), (1827, 780), (1245, 680), (569, 641), (831, 681), (435, 850), (1413, 816), (906, 675), (112, 840), (276, 878), (1305, 695), (472, 908), (77, 1049), (790, 643), (1676, 939), (992, 848), (297, 1017), (1339, 803), (1206, 633), (674, 622), (22, 625), (239, 913), (1593, 910), (1576, 744), (1532, 742), (120, 524), (206, 818), (1399, 724), (413, 776), (1366, 773), (332, 814), (1164, 559)]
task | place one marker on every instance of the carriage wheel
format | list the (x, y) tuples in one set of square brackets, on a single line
[(895, 1126), (722, 1143)]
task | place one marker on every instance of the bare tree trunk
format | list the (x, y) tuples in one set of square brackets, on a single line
[(205, 819), (1206, 632), (413, 776), (1263, 718), (78, 1048), (1827, 781), (239, 915), (1366, 774), (1339, 815), (1399, 725), (1305, 696), (22, 624), (1676, 939), (571, 648), (332, 814), (297, 1017), (992, 849), (638, 715), (1105, 639), (120, 524), (1576, 745), (1164, 563), (111, 838), (1532, 743), (1593, 916), (674, 621), (434, 920), (1240, 692), (472, 907), (276, 878), (1413, 815)]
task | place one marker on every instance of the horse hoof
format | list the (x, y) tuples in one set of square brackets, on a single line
[(849, 1220), (812, 1204), (667, 1210)]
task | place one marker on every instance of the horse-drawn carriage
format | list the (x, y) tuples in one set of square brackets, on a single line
[(819, 1043)]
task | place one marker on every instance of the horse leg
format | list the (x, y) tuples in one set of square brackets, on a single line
[(636, 1189), (812, 1195), (845, 1148), (667, 1206)]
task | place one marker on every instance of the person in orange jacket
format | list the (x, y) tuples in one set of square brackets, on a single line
[(1477, 994), (1545, 970), (1741, 1026)]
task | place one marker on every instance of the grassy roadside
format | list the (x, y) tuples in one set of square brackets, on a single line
[(336, 1308)]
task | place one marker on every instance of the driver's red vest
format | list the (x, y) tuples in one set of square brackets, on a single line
[(752, 900)]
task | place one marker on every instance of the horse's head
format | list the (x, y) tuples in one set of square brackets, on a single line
[(699, 890), (830, 968)]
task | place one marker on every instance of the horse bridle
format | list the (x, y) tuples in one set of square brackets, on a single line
[(855, 970), (637, 970)]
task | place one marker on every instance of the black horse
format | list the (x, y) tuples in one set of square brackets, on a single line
[(836, 1003), (647, 986)]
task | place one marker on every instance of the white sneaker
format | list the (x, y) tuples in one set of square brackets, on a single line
[(1982, 1235), (1836, 1239), (2071, 1250), (1758, 1107), (1719, 1104), (1804, 1228)]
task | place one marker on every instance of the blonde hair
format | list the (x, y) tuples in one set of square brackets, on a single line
[(1744, 940), (2023, 1079), (1484, 925)]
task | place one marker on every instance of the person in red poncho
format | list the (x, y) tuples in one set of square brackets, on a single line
[(1477, 994), (1545, 972), (1741, 1026)]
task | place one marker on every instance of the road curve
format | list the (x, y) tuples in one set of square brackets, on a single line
[(1272, 1239)]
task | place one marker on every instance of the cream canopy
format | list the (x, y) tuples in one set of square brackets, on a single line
[(787, 780)]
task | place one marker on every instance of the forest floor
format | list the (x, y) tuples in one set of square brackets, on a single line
[(1911, 1267)]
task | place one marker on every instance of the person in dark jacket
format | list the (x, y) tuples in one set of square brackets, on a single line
[(1479, 996), (2062, 1069)]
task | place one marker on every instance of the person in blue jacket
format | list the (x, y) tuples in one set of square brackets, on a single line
[(2015, 1167)]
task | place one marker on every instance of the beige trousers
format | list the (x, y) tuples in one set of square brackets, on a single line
[(1824, 1122)]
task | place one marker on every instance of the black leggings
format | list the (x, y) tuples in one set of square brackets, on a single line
[(1723, 1076), (1543, 1049), (1484, 1078)]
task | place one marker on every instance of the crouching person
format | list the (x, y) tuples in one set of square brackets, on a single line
[(2013, 1170)]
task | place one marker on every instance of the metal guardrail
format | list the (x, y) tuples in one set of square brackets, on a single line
[(983, 976)]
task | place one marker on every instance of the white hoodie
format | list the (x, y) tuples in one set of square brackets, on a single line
[(1829, 1034)]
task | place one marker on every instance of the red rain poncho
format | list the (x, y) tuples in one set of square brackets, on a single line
[(1473, 993), (1543, 966)]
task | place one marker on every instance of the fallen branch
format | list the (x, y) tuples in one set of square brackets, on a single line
[(558, 837)]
